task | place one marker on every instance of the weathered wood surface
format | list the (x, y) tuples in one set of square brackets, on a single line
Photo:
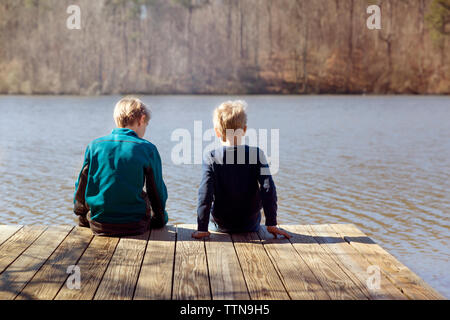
[(191, 279), (319, 262), (22, 270), (330, 275), (47, 282), (355, 265), (297, 277), (225, 274), (155, 280), (6, 231), (400, 275), (263, 281), (119, 280), (18, 243), (92, 266)]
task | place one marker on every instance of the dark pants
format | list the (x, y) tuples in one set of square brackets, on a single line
[(119, 229), (236, 229)]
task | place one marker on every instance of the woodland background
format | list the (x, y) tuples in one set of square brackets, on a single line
[(224, 47)]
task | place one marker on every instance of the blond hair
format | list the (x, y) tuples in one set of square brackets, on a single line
[(230, 115), (129, 110)]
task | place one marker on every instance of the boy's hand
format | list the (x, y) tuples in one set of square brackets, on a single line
[(274, 230), (200, 234)]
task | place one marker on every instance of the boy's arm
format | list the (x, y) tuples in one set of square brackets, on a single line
[(156, 189), (268, 190), (80, 207), (205, 197), (269, 197)]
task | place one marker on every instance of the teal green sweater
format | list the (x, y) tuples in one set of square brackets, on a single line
[(116, 177)]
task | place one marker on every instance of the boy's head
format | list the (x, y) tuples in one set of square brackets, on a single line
[(230, 117), (133, 114)]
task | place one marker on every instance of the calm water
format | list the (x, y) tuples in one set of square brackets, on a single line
[(382, 163)]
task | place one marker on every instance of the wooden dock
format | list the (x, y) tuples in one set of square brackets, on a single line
[(318, 262)]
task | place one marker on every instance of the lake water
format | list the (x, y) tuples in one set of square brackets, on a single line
[(382, 163)]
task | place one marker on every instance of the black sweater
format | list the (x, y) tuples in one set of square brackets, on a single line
[(236, 184)]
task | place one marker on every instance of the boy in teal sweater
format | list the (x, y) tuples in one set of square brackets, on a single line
[(109, 196)]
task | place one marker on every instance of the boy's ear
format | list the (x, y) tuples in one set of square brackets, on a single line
[(142, 121), (218, 134)]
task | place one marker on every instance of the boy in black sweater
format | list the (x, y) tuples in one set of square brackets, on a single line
[(236, 181)]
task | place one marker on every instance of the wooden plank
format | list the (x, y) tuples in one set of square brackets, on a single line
[(6, 231), (191, 281), (297, 277), (155, 278), (120, 278), (356, 266), (225, 273), (93, 264), (53, 274), (18, 243), (260, 275), (318, 262), (20, 272), (400, 275), (333, 279)]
